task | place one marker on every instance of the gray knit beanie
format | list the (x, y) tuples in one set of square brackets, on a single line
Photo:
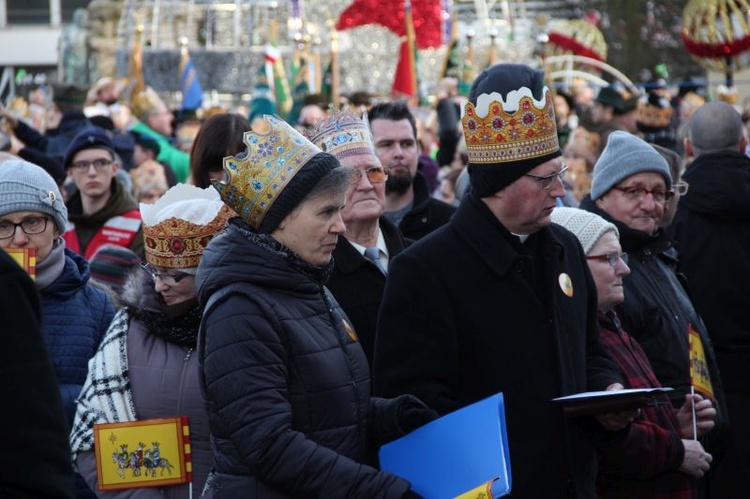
[(624, 156), (25, 186), (586, 226)]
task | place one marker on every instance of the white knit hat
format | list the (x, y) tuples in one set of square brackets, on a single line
[(586, 226)]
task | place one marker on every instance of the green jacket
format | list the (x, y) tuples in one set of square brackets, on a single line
[(177, 159)]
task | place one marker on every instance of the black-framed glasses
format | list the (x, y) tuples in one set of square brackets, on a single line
[(376, 175), (681, 188), (29, 226), (610, 258), (547, 181), (100, 164), (170, 278), (637, 194)]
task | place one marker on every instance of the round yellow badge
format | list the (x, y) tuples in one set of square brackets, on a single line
[(350, 330), (566, 284)]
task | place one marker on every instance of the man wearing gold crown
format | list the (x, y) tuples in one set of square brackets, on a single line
[(371, 240), (513, 307)]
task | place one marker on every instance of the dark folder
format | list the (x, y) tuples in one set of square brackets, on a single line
[(605, 402)]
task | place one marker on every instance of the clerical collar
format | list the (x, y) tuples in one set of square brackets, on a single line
[(521, 237)]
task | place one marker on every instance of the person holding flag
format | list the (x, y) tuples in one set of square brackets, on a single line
[(630, 187), (660, 455), (145, 368)]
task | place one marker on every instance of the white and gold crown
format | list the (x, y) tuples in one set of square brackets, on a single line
[(343, 133), (178, 227), (515, 129)]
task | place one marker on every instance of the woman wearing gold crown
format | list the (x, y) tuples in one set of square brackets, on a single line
[(287, 385), (145, 367)]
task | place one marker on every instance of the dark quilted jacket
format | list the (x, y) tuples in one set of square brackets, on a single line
[(75, 316), (286, 385), (56, 141)]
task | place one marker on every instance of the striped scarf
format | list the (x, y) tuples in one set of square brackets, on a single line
[(106, 395)]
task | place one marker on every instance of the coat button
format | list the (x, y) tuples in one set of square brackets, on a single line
[(520, 266), (424, 220)]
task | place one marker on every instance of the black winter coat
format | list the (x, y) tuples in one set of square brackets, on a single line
[(286, 385), (358, 285), (426, 214), (657, 311), (33, 426), (712, 230), (494, 318)]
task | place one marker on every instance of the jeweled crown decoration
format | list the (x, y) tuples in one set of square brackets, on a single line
[(653, 116), (343, 133), (519, 128), (176, 243), (255, 178)]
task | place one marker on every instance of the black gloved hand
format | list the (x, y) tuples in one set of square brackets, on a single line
[(410, 494), (413, 413)]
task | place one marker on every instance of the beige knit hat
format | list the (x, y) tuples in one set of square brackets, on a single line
[(586, 226)]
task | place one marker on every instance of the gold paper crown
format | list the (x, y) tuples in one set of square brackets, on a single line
[(178, 244), (143, 102), (518, 129), (730, 95), (255, 178), (653, 116), (343, 133)]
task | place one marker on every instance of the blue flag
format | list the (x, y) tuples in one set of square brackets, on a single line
[(190, 86)]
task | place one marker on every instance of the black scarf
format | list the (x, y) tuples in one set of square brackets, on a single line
[(267, 242), (178, 324)]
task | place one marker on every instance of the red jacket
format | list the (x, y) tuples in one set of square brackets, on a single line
[(644, 463)]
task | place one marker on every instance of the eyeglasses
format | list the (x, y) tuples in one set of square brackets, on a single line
[(376, 175), (610, 258), (29, 226), (681, 188), (168, 278), (99, 165), (547, 181), (638, 193)]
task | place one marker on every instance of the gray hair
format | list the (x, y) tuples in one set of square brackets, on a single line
[(333, 183)]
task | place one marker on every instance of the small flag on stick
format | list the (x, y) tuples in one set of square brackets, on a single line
[(700, 377), (146, 453), (25, 258)]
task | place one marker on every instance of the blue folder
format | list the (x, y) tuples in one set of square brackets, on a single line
[(458, 453)]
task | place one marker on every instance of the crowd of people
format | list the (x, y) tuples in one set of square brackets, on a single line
[(307, 292)]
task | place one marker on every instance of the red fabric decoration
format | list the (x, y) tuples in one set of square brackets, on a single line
[(567, 43), (715, 50), (390, 14), (404, 80)]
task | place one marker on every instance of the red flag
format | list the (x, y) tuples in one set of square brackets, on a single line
[(405, 79), (428, 20)]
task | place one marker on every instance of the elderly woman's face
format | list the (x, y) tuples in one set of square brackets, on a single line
[(41, 226), (313, 228), (173, 286), (607, 277)]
